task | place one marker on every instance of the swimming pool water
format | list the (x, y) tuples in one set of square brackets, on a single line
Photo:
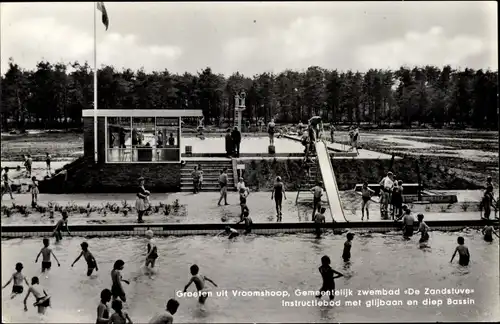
[(278, 263)]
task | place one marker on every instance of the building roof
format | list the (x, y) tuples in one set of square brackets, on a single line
[(143, 113)]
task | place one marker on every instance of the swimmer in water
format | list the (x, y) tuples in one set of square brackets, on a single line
[(119, 316), (423, 229), (199, 281), (91, 262), (319, 219), (116, 278), (46, 252), (463, 253), (152, 254), (488, 232), (230, 232), (248, 222), (42, 300), (346, 254), (328, 275), (17, 278), (59, 226), (168, 316), (102, 308)]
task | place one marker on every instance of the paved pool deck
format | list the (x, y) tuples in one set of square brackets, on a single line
[(363, 154), (202, 209)]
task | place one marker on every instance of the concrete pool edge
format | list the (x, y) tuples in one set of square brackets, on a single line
[(131, 229)]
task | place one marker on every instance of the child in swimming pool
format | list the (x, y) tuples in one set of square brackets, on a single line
[(116, 278), (423, 229), (199, 281), (319, 219), (488, 232), (17, 278), (152, 254), (102, 308), (230, 232), (248, 222), (119, 316), (328, 275), (346, 254), (91, 262), (42, 300), (463, 252), (59, 226), (46, 252)]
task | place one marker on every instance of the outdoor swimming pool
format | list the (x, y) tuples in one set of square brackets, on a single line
[(278, 263)]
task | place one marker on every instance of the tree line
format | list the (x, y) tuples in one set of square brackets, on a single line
[(54, 94)]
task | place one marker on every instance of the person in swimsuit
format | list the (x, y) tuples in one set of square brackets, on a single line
[(332, 132), (243, 192), (319, 219), (152, 254), (6, 183), (102, 308), (119, 316), (328, 275), (408, 221), (46, 252), (34, 192), (17, 278), (142, 200), (271, 129), (396, 201), (91, 262), (487, 202), (317, 193), (230, 232), (278, 194), (488, 232), (223, 187), (42, 300), (116, 278), (59, 226), (463, 252), (168, 316), (346, 254), (423, 229), (27, 164), (48, 159), (199, 281), (248, 222), (315, 128), (366, 195)]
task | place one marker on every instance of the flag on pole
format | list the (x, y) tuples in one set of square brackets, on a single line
[(105, 19)]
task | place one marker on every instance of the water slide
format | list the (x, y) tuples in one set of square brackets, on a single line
[(329, 180)]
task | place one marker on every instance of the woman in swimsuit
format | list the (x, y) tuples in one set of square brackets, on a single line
[(141, 201), (278, 194), (119, 316), (152, 250)]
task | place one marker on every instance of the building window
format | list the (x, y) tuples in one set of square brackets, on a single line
[(143, 139), (168, 136), (119, 146)]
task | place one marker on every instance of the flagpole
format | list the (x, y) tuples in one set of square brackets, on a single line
[(95, 85)]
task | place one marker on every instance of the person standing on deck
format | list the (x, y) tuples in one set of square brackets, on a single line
[(196, 179), (487, 202), (236, 140), (223, 187), (6, 183), (27, 164), (48, 159), (355, 139), (332, 132), (142, 200), (316, 126), (200, 183), (386, 186), (229, 143), (278, 194), (317, 194), (271, 129)]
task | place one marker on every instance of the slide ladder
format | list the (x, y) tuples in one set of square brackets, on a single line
[(329, 180)]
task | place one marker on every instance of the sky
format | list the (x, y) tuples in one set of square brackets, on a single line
[(253, 37)]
